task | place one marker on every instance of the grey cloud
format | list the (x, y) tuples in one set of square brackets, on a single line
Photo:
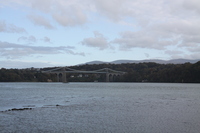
[(10, 28), (142, 12), (195, 49), (30, 39), (42, 5), (25, 64), (141, 39), (33, 39), (190, 41), (41, 21), (22, 38), (177, 52), (192, 38), (70, 16), (113, 9), (176, 26), (194, 56), (98, 41), (187, 33), (193, 5), (47, 39), (12, 51), (66, 13)]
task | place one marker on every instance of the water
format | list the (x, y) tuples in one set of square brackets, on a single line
[(100, 107)]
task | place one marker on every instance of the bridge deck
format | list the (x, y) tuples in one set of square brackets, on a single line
[(70, 70), (63, 70), (78, 72)]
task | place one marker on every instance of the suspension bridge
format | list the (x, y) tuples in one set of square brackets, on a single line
[(62, 71)]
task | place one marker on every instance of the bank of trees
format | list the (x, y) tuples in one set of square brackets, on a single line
[(148, 72), (24, 75)]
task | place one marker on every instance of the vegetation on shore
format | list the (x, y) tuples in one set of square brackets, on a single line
[(148, 72)]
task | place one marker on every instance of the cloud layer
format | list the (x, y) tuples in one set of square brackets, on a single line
[(98, 41), (40, 21), (15, 51), (10, 28), (169, 26)]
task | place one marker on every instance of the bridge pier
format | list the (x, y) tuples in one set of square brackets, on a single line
[(107, 77), (64, 78), (61, 77), (110, 77), (58, 78)]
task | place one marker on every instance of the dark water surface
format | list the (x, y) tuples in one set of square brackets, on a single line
[(100, 107)]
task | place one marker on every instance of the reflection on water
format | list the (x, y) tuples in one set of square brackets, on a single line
[(100, 107)]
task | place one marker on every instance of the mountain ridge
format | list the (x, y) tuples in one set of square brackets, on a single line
[(173, 61)]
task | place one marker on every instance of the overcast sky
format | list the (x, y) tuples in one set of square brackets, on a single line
[(45, 33)]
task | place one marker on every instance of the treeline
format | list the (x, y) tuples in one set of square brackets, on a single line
[(141, 72), (24, 75), (153, 72)]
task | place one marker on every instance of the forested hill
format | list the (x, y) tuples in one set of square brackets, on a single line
[(135, 72)]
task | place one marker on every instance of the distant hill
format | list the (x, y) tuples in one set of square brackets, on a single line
[(95, 62), (174, 61)]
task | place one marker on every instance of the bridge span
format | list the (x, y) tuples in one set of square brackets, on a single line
[(62, 71)]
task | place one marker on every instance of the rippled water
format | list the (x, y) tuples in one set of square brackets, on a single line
[(100, 107)]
